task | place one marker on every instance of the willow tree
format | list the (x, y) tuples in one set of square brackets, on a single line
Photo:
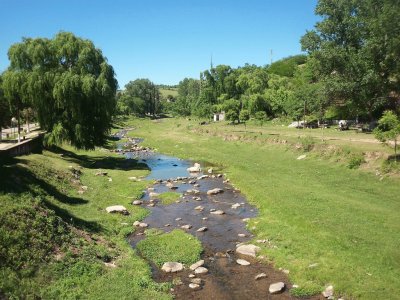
[(69, 83)]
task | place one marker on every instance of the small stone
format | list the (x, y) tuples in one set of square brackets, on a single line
[(259, 276), (286, 271), (116, 209), (194, 286), (276, 288), (242, 262), (241, 235), (202, 229), (199, 207), (209, 171), (196, 198), (236, 205), (197, 265), (167, 225), (136, 223), (110, 179), (196, 280), (137, 202), (188, 226), (246, 219), (215, 191), (328, 292), (249, 250), (84, 187), (204, 219), (151, 205), (178, 219), (172, 267), (110, 265), (143, 225), (192, 276), (302, 157), (196, 185), (219, 175), (218, 212), (150, 189), (201, 270)]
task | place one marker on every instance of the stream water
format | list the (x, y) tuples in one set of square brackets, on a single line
[(226, 279)]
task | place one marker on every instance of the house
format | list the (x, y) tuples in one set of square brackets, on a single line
[(219, 116)]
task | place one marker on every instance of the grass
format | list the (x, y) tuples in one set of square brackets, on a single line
[(169, 92), (175, 246), (169, 197), (315, 211), (56, 236)]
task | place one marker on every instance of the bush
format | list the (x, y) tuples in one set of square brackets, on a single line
[(356, 160)]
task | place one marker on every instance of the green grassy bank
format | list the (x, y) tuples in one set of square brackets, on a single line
[(326, 223), (56, 239)]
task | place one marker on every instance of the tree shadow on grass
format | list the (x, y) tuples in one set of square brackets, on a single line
[(101, 162), (17, 179)]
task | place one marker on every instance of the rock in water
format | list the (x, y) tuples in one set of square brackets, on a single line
[(202, 229), (117, 209), (236, 205), (188, 226), (250, 250), (276, 288), (137, 202), (201, 270), (153, 195), (242, 262), (172, 267), (196, 265), (217, 212), (195, 169), (215, 191)]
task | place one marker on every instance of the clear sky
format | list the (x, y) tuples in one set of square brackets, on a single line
[(165, 40)]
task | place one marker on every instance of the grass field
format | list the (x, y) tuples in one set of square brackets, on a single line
[(329, 224), (172, 92)]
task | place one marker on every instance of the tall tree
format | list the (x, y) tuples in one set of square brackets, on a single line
[(147, 91), (5, 115), (355, 49), (70, 84)]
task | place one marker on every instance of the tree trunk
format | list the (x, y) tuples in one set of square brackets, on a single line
[(1, 133), (19, 126)]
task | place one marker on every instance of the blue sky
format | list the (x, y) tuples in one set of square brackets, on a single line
[(165, 40)]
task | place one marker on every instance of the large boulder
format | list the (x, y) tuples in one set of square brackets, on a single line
[(172, 267), (250, 250)]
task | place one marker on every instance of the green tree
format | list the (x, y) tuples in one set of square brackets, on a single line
[(388, 129), (354, 49), (149, 94), (5, 115), (261, 117), (70, 84), (244, 115)]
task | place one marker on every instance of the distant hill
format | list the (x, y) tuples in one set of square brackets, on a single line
[(287, 66), (168, 90)]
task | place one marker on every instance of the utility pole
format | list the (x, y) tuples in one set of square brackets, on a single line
[(271, 56)]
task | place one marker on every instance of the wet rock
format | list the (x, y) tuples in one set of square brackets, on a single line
[(202, 229), (137, 202), (167, 225), (196, 185), (188, 226), (204, 219), (236, 205), (199, 207), (195, 169), (193, 191), (151, 205), (201, 270), (202, 177), (172, 267), (212, 209), (215, 191), (219, 175), (328, 292), (250, 250), (194, 286), (153, 195), (302, 157), (196, 265), (242, 262), (241, 235), (136, 223), (192, 182), (259, 276), (178, 219), (150, 189), (117, 209), (217, 212), (276, 288), (196, 198), (143, 225)]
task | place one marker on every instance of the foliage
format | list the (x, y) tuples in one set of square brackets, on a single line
[(355, 161), (173, 246), (70, 84), (261, 117), (5, 114), (307, 143), (244, 115), (388, 129), (287, 66)]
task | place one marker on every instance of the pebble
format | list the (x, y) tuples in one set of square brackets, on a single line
[(171, 267), (201, 270), (241, 235), (199, 207), (188, 226), (276, 288), (205, 218), (143, 225), (167, 225), (328, 292), (236, 205), (242, 262), (194, 286), (178, 219), (202, 229), (196, 280), (196, 265), (217, 212), (192, 276), (259, 276)]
